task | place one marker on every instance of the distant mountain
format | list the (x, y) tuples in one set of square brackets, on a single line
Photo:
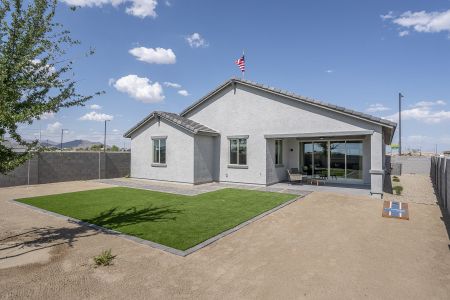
[(80, 144), (48, 143), (71, 144)]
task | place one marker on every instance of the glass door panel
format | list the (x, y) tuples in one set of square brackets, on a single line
[(321, 159), (354, 160), (307, 158), (337, 160)]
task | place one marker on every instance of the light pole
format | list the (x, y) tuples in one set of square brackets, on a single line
[(62, 135), (104, 137), (400, 96)]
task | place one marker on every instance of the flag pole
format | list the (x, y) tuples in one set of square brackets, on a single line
[(243, 71)]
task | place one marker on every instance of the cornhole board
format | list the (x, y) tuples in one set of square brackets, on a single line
[(394, 209)]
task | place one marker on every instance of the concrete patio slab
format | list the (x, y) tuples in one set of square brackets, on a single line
[(192, 190)]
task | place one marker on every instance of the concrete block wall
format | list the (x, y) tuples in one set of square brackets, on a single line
[(24, 174), (47, 167), (412, 164), (440, 176)]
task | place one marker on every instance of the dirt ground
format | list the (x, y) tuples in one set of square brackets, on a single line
[(325, 245)]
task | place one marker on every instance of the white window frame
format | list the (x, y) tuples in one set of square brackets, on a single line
[(158, 140), (238, 164)]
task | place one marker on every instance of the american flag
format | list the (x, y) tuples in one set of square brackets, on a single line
[(241, 63)]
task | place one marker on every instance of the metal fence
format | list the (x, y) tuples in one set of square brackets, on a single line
[(47, 167), (440, 176)]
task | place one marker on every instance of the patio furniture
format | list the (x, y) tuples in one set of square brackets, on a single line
[(294, 175), (316, 180)]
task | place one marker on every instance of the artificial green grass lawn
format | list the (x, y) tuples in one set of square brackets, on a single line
[(176, 221)]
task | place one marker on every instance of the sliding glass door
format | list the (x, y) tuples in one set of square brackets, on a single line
[(337, 160), (354, 160), (333, 159), (321, 159), (308, 158), (315, 159)]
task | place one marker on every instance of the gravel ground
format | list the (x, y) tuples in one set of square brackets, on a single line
[(324, 246), (416, 189)]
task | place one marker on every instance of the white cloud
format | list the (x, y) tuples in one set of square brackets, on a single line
[(138, 8), (95, 106), (111, 81), (154, 56), (403, 33), (172, 85), (423, 112), (377, 107), (94, 116), (47, 116), (422, 21), (329, 71), (50, 69), (429, 103), (168, 3), (142, 8), (183, 93), (140, 88), (53, 127), (389, 15), (195, 40)]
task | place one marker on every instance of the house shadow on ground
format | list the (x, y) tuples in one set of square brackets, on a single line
[(34, 239)]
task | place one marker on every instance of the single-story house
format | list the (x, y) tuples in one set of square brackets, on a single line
[(244, 132)]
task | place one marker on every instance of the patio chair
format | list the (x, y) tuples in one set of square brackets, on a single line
[(294, 175)]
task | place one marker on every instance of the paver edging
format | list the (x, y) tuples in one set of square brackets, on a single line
[(153, 244)]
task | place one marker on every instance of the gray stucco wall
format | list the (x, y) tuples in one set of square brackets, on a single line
[(246, 111), (47, 167), (180, 153), (206, 157), (277, 173)]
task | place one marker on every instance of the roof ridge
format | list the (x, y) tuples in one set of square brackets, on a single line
[(176, 119), (317, 101)]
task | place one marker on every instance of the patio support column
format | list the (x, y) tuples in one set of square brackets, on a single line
[(376, 165)]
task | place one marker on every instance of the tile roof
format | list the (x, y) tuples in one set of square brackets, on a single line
[(189, 125)]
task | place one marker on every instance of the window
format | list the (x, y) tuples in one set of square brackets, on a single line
[(159, 151), (238, 151), (278, 152)]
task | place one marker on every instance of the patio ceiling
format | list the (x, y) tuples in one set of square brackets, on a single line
[(320, 134)]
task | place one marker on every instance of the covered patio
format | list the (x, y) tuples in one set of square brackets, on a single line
[(348, 160)]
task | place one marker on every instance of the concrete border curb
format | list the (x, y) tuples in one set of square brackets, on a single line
[(153, 244)]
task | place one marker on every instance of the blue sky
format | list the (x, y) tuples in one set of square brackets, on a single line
[(357, 54)]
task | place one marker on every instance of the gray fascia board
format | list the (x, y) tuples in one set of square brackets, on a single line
[(207, 96), (177, 123), (138, 125)]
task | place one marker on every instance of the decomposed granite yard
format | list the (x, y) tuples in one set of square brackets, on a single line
[(322, 246)]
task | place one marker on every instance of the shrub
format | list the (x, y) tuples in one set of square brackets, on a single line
[(398, 189), (396, 179), (104, 259)]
